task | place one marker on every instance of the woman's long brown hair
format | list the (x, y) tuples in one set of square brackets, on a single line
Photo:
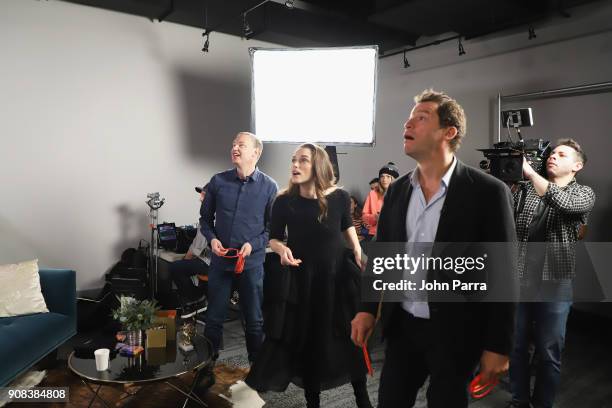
[(322, 173)]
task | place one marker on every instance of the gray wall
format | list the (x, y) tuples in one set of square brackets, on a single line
[(566, 53), (99, 108)]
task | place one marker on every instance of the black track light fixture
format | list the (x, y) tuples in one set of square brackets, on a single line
[(246, 27), (532, 33), (460, 47), (406, 63), (206, 35)]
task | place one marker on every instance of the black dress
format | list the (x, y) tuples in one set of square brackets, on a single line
[(308, 309)]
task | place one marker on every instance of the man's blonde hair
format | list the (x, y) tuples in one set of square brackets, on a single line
[(256, 141)]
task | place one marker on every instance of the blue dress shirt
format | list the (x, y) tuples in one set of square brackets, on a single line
[(421, 227), (236, 211)]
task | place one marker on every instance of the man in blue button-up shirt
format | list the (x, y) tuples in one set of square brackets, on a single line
[(235, 215)]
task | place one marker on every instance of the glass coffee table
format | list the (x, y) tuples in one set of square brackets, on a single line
[(150, 366)]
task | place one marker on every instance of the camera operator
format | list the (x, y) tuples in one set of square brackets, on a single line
[(550, 210)]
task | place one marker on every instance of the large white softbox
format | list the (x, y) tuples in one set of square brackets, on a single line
[(319, 95)]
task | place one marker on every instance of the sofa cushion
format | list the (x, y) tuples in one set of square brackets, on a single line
[(20, 291), (26, 339)]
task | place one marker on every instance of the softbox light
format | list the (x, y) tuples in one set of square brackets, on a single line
[(318, 95)]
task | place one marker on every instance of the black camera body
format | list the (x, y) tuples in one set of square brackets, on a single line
[(505, 159)]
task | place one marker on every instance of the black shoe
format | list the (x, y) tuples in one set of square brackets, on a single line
[(362, 399), (195, 307), (312, 399), (363, 402)]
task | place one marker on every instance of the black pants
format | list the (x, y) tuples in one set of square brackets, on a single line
[(182, 271), (414, 352)]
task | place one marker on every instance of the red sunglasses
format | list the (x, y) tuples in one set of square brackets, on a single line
[(236, 254), (478, 390)]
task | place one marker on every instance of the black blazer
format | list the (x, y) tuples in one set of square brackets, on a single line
[(477, 208)]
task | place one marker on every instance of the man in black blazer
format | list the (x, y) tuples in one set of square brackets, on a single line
[(442, 201)]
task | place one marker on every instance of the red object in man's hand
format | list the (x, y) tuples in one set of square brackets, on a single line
[(239, 262), (366, 356), (478, 390)]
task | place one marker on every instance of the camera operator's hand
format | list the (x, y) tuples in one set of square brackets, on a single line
[(539, 183), (528, 171), (217, 247), (246, 249)]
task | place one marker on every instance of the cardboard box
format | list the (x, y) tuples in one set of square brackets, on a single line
[(167, 318), (156, 337)]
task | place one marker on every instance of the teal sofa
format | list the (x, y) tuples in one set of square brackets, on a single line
[(24, 340)]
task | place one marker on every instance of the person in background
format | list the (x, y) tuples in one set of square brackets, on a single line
[(360, 228), (374, 202), (551, 210), (191, 292), (374, 184)]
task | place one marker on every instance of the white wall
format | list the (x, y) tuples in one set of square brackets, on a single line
[(99, 108)]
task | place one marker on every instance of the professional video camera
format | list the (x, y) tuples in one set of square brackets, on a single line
[(505, 159)]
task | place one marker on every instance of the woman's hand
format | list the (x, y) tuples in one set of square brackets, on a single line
[(287, 259), (353, 242), (358, 261)]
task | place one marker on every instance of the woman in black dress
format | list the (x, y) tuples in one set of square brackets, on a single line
[(310, 300)]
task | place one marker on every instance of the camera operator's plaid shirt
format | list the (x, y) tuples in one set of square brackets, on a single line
[(568, 208)]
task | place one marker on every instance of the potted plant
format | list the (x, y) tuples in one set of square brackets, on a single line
[(135, 316)]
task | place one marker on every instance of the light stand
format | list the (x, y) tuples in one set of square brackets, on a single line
[(333, 158), (154, 203)]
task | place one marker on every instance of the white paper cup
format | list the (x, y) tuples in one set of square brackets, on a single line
[(102, 355)]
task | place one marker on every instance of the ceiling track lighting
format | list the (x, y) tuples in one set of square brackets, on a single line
[(460, 47), (206, 35), (246, 28), (406, 63), (247, 32), (532, 33)]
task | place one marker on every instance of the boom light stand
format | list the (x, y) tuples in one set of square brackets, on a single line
[(154, 203)]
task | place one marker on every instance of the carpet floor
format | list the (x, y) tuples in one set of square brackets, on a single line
[(586, 380)]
